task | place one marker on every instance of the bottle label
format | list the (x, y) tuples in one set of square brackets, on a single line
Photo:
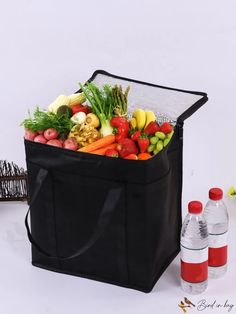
[(218, 249), (194, 264)]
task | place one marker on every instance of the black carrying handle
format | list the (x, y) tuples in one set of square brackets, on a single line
[(109, 206)]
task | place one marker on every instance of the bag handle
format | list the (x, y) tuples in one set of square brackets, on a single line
[(108, 208)]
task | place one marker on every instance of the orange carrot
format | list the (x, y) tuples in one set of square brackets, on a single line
[(144, 156), (131, 157), (102, 142), (103, 150)]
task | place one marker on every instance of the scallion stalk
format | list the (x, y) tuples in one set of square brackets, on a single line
[(101, 103)]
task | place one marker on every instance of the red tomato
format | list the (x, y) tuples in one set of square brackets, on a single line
[(80, 108)]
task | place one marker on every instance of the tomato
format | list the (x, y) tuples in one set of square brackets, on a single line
[(80, 108)]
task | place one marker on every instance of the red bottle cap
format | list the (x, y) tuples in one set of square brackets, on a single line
[(215, 194), (195, 207)]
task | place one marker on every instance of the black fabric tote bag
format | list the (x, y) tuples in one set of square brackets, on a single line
[(110, 219)]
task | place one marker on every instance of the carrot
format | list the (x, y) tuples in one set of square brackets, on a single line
[(102, 151), (102, 142), (144, 156), (131, 157)]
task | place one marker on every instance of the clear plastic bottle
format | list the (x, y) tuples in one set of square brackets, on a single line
[(194, 250), (217, 219)]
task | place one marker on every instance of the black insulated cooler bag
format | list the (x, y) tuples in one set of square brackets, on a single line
[(110, 219)]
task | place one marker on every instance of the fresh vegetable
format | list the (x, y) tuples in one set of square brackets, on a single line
[(131, 157), (101, 103), (166, 127), (102, 142), (92, 120), (64, 110), (119, 99), (42, 120), (136, 135), (121, 132), (55, 142), (61, 100), (87, 109), (84, 134), (40, 139), (119, 121), (75, 99), (121, 127), (50, 134), (101, 126), (112, 153), (71, 144), (80, 108), (76, 108), (144, 156), (78, 118), (152, 128), (160, 135), (102, 151), (30, 135), (140, 116), (143, 143), (150, 117), (126, 147)]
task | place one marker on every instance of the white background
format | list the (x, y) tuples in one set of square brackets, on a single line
[(47, 47)]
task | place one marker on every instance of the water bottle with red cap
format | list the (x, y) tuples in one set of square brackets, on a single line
[(194, 250), (217, 219)]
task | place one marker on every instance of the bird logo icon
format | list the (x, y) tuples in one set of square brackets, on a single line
[(187, 301), (185, 304)]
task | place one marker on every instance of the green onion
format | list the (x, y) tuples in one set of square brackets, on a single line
[(101, 103)]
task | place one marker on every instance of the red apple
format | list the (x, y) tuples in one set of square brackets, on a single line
[(40, 139), (50, 134), (54, 142), (70, 143), (61, 140), (40, 132), (30, 135)]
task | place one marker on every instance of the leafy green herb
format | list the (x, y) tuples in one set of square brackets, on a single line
[(42, 120)]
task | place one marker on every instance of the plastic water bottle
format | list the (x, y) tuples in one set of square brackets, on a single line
[(194, 250), (217, 219)]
